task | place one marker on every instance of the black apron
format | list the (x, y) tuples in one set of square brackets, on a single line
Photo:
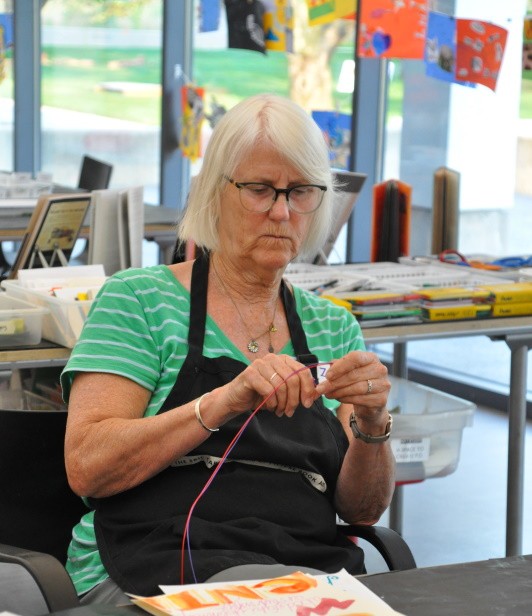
[(253, 512)]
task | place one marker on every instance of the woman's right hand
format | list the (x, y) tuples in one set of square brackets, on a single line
[(284, 382)]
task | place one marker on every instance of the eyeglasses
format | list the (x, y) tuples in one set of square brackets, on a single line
[(257, 197)]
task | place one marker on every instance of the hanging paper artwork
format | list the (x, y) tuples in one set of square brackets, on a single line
[(191, 121), (336, 128), (6, 41), (527, 44), (479, 51), (440, 47), (279, 25), (245, 25), (209, 15), (325, 11), (392, 29)]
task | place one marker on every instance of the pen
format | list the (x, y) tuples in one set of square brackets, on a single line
[(326, 285)]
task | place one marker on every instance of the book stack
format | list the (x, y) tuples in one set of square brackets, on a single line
[(510, 300), (454, 303), (375, 309)]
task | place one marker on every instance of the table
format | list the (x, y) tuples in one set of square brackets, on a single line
[(498, 587), (159, 226)]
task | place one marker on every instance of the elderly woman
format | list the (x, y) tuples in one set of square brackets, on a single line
[(173, 359)]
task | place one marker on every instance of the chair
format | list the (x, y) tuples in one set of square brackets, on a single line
[(46, 577), (38, 511), (34, 583), (94, 174), (38, 508)]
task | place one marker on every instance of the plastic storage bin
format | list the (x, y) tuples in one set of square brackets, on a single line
[(427, 430), (20, 322), (63, 320)]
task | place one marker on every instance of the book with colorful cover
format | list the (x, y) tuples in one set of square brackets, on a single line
[(297, 594)]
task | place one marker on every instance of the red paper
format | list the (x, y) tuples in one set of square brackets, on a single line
[(479, 51), (392, 29)]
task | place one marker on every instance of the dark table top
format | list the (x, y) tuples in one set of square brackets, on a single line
[(501, 586), (496, 587)]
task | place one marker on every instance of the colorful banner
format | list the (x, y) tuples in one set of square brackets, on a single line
[(324, 11), (245, 24), (527, 43), (191, 121), (392, 29), (209, 15), (479, 51), (279, 25), (440, 48)]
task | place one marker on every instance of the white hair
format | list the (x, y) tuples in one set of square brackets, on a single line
[(291, 131)]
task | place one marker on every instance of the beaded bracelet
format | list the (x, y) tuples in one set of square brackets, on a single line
[(198, 415)]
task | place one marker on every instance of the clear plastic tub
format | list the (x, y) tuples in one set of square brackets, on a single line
[(63, 320), (20, 322), (427, 430)]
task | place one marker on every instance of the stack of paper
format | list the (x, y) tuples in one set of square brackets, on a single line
[(297, 594)]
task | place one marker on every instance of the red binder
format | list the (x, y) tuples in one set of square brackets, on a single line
[(390, 235)]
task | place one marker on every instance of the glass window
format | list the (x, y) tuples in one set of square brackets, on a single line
[(101, 92), (319, 74)]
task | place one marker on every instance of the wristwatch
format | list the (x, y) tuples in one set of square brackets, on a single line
[(368, 438)]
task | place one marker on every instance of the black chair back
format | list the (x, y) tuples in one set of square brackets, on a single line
[(37, 507)]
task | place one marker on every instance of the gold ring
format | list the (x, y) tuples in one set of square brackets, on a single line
[(370, 387), (273, 376)]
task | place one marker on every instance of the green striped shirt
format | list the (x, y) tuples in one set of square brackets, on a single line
[(138, 328)]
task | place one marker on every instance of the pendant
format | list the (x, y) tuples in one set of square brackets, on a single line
[(253, 346), (271, 349), (273, 328)]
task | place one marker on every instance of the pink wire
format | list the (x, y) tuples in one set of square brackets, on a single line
[(219, 466)]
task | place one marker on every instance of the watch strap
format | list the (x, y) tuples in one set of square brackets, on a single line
[(368, 438)]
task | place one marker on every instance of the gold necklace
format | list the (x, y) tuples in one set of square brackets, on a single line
[(252, 345)]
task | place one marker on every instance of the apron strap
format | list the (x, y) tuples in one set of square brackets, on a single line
[(198, 314)]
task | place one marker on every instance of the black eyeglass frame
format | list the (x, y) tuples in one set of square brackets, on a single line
[(278, 191)]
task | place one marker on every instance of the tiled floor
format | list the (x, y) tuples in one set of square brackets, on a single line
[(462, 517)]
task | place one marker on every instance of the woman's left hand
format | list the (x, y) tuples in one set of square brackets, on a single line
[(359, 378)]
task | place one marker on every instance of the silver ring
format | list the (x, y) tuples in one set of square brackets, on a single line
[(273, 376), (370, 387)]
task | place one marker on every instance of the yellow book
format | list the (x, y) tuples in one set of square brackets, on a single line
[(438, 294), (456, 312), (512, 309), (510, 293)]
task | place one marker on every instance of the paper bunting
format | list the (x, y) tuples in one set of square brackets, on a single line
[(392, 29), (325, 11), (479, 51), (209, 15), (191, 121), (527, 43), (279, 25), (245, 24)]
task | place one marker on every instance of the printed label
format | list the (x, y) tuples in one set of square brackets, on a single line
[(411, 449)]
